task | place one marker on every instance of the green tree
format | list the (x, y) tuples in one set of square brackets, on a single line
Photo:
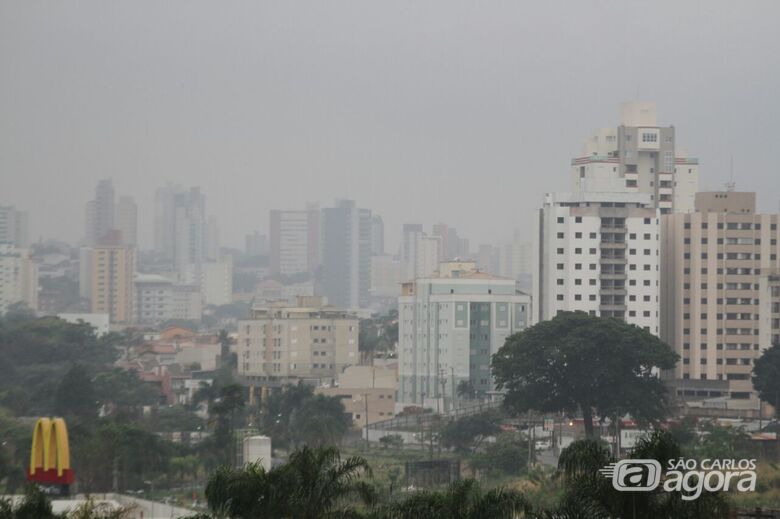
[(466, 389), (723, 442), (581, 363), (462, 500), (122, 390), (295, 415), (75, 395), (766, 376), (467, 433), (394, 441), (508, 455), (34, 505), (319, 421), (589, 494), (313, 484), (226, 357)]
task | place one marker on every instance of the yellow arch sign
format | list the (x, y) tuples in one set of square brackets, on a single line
[(50, 454)]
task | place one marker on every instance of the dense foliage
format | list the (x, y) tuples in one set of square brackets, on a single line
[(578, 363)]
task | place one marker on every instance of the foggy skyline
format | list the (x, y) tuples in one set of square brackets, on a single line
[(465, 113)]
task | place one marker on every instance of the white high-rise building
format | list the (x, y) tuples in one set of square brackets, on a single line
[(420, 253), (180, 228), (215, 279), (14, 227), (598, 253), (18, 278), (159, 299), (449, 326), (294, 240), (638, 157), (385, 276)]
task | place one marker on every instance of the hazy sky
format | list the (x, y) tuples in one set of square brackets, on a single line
[(424, 111)]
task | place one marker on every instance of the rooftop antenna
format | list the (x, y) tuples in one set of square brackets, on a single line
[(730, 185)]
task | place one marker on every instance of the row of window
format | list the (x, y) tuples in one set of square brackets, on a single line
[(732, 346), (733, 226)]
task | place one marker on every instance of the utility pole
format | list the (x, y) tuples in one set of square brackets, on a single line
[(452, 386), (365, 399)]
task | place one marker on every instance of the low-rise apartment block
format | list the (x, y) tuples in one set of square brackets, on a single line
[(309, 342)]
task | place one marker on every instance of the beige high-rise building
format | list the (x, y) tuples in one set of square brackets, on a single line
[(311, 342), (18, 278), (717, 268), (112, 272)]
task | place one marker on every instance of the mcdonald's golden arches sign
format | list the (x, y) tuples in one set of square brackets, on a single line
[(50, 455)]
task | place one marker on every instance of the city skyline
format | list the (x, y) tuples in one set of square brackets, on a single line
[(375, 122)]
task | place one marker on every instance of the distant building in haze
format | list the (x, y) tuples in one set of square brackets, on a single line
[(14, 227), (18, 278), (346, 255), (294, 240)]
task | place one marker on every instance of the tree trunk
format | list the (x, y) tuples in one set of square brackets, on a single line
[(587, 417)]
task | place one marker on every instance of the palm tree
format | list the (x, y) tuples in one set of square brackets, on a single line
[(590, 495), (315, 483), (462, 500)]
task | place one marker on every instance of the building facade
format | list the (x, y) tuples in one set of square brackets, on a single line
[(638, 157), (718, 271), (598, 253), (14, 227), (112, 272), (346, 255), (100, 214), (294, 240), (308, 342), (18, 278), (159, 299), (449, 326)]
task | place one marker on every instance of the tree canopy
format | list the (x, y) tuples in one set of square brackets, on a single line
[(766, 376), (576, 362)]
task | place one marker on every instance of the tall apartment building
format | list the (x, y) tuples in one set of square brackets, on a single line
[(515, 260), (112, 273), (18, 278), (308, 342), (377, 235), (159, 299), (346, 255), (449, 326), (181, 234), (598, 253), (294, 240), (212, 239), (719, 264), (127, 220), (14, 227), (385, 277), (100, 213), (420, 253), (638, 157)]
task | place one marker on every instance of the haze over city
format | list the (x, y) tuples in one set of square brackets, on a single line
[(389, 260), (476, 107)]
